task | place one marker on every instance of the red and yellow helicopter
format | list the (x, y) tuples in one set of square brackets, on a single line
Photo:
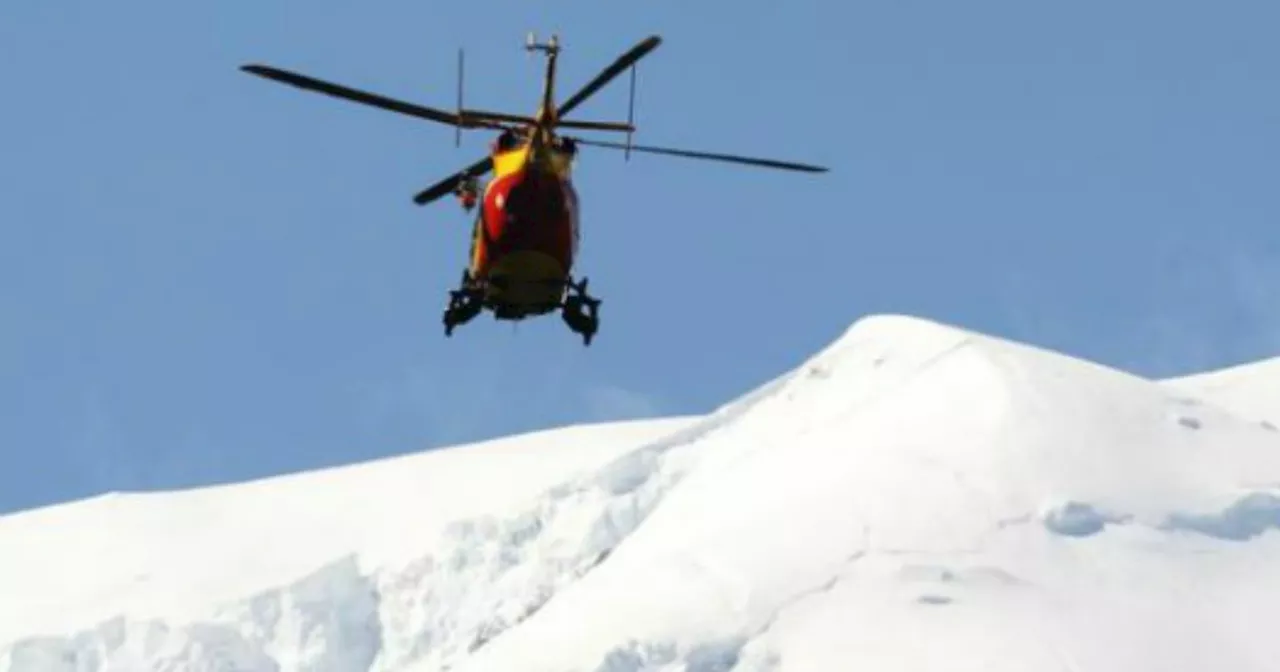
[(525, 236)]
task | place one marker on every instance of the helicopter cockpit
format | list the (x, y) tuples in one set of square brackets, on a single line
[(508, 140)]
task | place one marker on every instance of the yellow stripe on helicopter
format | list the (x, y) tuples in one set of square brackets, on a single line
[(513, 160)]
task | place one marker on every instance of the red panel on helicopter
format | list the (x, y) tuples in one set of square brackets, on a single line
[(527, 211)]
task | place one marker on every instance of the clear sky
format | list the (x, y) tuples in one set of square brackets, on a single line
[(208, 277)]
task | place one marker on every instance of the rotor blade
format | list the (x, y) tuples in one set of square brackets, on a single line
[(769, 163), (474, 115), (312, 84), (620, 126), (624, 61), (448, 184)]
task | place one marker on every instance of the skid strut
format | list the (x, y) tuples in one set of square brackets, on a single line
[(464, 304), (581, 311)]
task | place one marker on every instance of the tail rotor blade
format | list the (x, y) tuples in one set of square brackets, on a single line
[(731, 158)]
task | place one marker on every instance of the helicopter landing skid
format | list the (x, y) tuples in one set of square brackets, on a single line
[(464, 304), (579, 310)]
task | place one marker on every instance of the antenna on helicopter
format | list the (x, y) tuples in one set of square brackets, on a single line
[(631, 114), (457, 132)]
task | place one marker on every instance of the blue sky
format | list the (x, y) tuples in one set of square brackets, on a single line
[(208, 277)]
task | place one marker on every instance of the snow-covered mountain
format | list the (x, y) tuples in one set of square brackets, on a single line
[(1251, 390), (914, 497)]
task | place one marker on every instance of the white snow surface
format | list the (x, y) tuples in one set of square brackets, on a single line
[(1251, 390), (914, 497)]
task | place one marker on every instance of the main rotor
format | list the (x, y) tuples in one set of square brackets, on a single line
[(548, 116), (541, 127)]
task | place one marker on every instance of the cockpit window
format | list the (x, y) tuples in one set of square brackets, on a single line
[(507, 141)]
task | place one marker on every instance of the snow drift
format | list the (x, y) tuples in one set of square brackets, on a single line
[(914, 497)]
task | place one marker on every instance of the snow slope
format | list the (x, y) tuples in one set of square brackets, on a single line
[(913, 497), (1249, 390), (269, 545)]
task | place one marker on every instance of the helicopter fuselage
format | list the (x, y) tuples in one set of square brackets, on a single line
[(525, 235)]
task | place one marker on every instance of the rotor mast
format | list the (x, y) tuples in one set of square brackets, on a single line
[(546, 116)]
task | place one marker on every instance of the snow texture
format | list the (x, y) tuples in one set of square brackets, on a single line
[(913, 497)]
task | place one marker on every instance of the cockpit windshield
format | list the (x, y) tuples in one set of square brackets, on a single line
[(507, 141)]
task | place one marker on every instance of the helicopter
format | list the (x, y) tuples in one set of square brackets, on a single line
[(525, 235)]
